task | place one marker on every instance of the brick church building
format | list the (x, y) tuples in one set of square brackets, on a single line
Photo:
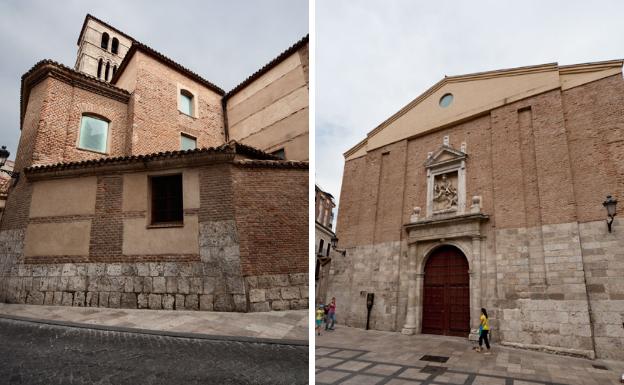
[(143, 185), (487, 191)]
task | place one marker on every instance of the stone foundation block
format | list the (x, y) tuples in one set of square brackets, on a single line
[(170, 269), (168, 302), (240, 302), (191, 302), (68, 299), (35, 298), (184, 286), (171, 284), (206, 302), (128, 286), (299, 279), (69, 270), (223, 302), (195, 286), (137, 284), (179, 301), (303, 291), (77, 284), (142, 269), (114, 300), (260, 306), (280, 305), (235, 285), (209, 285), (147, 284), (92, 299), (155, 301), (103, 299), (257, 295), (49, 298), (290, 293), (142, 301), (114, 269), (159, 285), (274, 293), (252, 282), (58, 298), (79, 298), (298, 304)]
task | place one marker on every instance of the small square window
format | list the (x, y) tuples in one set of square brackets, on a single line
[(187, 142), (279, 153), (166, 192), (93, 134), (186, 102)]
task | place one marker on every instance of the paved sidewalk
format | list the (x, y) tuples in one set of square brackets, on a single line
[(286, 325), (355, 356)]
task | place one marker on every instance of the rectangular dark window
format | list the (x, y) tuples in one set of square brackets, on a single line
[(167, 199), (320, 249)]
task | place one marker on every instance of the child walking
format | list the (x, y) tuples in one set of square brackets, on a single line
[(320, 314)]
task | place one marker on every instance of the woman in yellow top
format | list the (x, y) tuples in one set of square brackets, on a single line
[(484, 329)]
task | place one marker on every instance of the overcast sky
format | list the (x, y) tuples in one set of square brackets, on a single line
[(223, 41), (373, 57)]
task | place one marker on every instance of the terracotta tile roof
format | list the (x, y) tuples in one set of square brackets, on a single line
[(258, 158), (45, 67), (289, 51), (165, 60)]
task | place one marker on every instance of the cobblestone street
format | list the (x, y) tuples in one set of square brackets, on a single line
[(355, 356), (33, 353)]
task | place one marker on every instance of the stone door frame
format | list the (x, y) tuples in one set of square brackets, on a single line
[(424, 237)]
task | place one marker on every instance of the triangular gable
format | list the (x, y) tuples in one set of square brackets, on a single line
[(445, 154)]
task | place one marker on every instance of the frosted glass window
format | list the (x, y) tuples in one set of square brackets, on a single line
[(446, 100), (186, 102), (188, 142), (93, 134)]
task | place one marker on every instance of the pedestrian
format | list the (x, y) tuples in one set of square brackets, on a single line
[(331, 315), (484, 329), (320, 314)]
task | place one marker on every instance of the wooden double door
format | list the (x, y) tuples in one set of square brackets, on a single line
[(446, 296)]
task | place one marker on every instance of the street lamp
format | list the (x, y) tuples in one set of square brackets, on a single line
[(334, 243), (4, 155), (610, 204)]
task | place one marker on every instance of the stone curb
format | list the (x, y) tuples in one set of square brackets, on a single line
[(163, 333)]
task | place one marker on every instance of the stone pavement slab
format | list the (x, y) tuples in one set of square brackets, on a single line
[(350, 355), (286, 325)]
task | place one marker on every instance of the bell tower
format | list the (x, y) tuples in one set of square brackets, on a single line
[(101, 48)]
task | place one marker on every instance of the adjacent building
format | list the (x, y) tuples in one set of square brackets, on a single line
[(487, 191), (325, 239), (132, 193)]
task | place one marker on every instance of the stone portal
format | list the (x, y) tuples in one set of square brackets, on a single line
[(446, 294)]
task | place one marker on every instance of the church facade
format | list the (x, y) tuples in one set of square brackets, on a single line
[(133, 193), (487, 191)]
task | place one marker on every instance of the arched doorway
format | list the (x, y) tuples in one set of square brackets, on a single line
[(446, 295)]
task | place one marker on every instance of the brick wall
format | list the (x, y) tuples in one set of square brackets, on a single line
[(106, 225), (595, 128), (272, 219), (156, 121)]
